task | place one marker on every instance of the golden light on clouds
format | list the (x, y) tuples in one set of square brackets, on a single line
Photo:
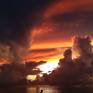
[(55, 44), (31, 77), (92, 42), (40, 30), (4, 61), (52, 27), (60, 21)]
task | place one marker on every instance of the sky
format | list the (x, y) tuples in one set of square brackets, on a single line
[(43, 26)]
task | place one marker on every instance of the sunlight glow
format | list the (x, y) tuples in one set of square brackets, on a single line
[(31, 77), (48, 67)]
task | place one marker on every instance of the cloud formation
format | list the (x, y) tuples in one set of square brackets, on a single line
[(50, 54), (68, 18), (41, 24), (65, 6)]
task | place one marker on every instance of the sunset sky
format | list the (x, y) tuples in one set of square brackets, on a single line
[(60, 22), (44, 26)]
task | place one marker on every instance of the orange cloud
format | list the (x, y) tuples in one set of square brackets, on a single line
[(51, 44), (65, 6), (45, 54), (61, 20), (4, 61), (44, 28), (51, 34)]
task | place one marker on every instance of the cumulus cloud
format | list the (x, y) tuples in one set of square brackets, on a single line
[(82, 46)]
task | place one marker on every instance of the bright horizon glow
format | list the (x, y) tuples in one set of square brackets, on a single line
[(92, 42), (49, 66), (31, 77), (47, 45)]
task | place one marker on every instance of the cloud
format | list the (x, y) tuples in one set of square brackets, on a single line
[(17, 17), (16, 20), (44, 24), (41, 54), (63, 27), (65, 6), (45, 54)]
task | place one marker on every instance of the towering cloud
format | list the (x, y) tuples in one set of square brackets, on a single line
[(16, 21), (82, 46)]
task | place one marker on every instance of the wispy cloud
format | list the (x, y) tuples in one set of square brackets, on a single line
[(65, 6), (45, 54)]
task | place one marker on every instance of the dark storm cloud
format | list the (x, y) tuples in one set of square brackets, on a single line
[(67, 6), (75, 22), (17, 16), (72, 16)]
